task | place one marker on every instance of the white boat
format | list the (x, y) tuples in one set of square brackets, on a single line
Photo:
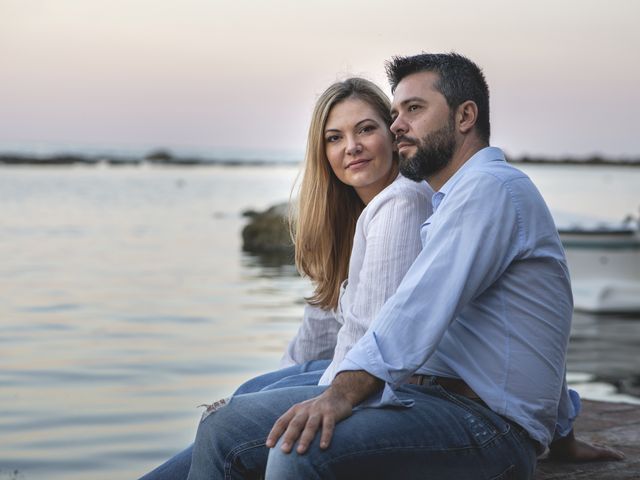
[(604, 263)]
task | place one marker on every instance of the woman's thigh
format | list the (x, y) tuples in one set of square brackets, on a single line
[(286, 377), (308, 373)]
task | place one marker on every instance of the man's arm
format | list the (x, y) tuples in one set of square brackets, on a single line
[(463, 254), (302, 421)]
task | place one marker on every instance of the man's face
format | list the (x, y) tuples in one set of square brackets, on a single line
[(423, 125)]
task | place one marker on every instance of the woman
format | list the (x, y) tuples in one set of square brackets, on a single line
[(357, 218)]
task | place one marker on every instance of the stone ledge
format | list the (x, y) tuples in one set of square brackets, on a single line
[(614, 424)]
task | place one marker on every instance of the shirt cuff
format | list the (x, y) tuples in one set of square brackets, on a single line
[(357, 359), (385, 398), (365, 355), (565, 425)]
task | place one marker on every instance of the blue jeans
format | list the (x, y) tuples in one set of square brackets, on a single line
[(443, 436), (177, 467)]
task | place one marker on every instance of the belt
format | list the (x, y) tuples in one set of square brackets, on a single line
[(453, 385)]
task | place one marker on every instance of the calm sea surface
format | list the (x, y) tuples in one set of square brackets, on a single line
[(125, 302)]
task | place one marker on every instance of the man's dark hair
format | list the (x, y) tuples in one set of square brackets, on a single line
[(459, 80)]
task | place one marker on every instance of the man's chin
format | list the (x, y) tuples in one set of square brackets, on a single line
[(408, 169), (407, 153)]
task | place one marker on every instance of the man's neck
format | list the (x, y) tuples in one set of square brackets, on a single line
[(468, 148)]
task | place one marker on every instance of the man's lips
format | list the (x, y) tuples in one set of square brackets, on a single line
[(404, 142), (402, 145)]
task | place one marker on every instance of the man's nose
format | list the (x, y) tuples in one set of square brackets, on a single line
[(398, 127)]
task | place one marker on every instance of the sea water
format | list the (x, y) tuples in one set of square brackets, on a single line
[(126, 301)]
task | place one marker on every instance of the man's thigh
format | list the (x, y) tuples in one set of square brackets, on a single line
[(230, 442), (442, 436)]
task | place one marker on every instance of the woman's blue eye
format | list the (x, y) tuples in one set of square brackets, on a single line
[(332, 138)]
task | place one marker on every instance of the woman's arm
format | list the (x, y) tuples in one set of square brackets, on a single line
[(315, 339), (383, 250)]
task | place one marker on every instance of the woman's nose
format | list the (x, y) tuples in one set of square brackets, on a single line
[(353, 146)]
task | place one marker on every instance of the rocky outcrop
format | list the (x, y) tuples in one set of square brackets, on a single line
[(268, 231)]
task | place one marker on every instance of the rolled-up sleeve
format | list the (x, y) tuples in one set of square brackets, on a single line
[(568, 410)]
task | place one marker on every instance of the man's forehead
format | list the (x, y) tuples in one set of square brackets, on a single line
[(415, 85)]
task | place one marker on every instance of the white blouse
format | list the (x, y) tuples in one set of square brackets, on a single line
[(385, 244)]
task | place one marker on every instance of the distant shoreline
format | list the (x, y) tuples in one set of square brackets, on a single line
[(73, 159), (166, 158)]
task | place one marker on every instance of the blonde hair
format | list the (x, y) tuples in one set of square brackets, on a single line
[(327, 209)]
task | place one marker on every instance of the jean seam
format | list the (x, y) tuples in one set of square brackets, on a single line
[(495, 439), (236, 452), (502, 476), (325, 466)]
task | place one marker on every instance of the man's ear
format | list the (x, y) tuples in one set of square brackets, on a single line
[(466, 116)]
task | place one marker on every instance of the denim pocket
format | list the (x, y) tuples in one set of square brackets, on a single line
[(482, 423)]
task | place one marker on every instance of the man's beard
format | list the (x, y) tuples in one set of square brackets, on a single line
[(435, 151)]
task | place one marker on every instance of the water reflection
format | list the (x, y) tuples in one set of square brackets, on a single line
[(270, 265), (606, 348)]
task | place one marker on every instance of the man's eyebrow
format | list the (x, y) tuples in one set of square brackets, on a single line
[(405, 102), (413, 99)]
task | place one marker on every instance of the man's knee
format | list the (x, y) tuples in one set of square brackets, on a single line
[(293, 466)]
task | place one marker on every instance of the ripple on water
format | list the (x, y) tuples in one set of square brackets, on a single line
[(53, 308)]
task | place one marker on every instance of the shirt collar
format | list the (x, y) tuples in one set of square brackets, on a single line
[(481, 157)]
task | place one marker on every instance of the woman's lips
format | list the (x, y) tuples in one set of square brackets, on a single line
[(356, 164)]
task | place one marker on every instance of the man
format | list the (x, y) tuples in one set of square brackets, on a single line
[(462, 374)]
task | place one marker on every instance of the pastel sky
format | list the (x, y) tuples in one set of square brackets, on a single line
[(564, 74)]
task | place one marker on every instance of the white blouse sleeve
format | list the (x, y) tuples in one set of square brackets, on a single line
[(315, 340)]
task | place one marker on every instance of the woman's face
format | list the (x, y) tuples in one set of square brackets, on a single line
[(359, 147)]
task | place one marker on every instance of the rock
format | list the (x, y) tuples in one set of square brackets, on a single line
[(159, 156), (268, 231), (249, 213)]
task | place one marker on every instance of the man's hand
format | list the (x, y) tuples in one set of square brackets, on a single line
[(302, 421), (570, 449)]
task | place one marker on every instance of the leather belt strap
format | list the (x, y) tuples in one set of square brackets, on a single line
[(453, 385)]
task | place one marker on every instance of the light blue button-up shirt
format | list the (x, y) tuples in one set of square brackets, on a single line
[(488, 300)]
